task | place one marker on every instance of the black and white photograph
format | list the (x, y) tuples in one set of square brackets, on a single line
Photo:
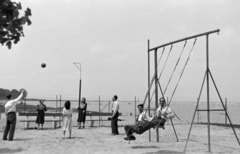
[(119, 76)]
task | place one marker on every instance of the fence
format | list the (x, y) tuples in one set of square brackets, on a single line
[(183, 109)]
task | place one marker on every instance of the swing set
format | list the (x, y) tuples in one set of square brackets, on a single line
[(156, 80)]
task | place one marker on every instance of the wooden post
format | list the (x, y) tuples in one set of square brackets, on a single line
[(99, 109), (226, 111), (167, 103), (26, 123), (56, 102), (53, 123), (197, 112), (60, 110), (135, 113)]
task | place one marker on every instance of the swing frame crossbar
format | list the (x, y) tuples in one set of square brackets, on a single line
[(208, 73), (184, 39)]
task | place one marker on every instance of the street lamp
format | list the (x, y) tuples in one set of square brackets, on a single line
[(77, 65)]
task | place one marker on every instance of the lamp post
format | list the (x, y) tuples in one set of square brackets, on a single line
[(80, 82)]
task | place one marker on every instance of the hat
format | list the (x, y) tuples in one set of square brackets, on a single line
[(162, 99), (140, 105)]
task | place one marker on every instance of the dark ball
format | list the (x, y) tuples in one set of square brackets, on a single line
[(43, 65)]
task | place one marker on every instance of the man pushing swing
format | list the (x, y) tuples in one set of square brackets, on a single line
[(144, 122)]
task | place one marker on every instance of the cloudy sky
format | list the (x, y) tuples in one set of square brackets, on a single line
[(109, 39)]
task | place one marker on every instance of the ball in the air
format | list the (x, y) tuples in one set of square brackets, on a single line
[(43, 65)]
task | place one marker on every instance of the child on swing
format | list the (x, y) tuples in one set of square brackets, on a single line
[(67, 119)]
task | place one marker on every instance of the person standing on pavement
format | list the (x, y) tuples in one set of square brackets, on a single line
[(115, 115), (10, 111)]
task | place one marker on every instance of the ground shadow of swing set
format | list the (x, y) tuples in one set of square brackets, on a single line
[(207, 76)]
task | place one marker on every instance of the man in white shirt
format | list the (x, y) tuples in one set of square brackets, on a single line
[(142, 116), (163, 112), (115, 115), (140, 120), (10, 111)]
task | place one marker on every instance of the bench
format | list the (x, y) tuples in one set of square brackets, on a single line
[(54, 120), (97, 114)]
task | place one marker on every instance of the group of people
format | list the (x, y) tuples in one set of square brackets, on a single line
[(41, 108), (67, 116), (11, 118), (143, 121)]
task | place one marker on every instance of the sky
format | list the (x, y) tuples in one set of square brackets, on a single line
[(109, 39)]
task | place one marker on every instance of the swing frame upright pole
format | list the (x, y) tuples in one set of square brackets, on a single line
[(208, 96), (156, 89), (149, 87), (80, 81)]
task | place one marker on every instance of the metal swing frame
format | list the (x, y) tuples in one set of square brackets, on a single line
[(206, 76), (157, 82)]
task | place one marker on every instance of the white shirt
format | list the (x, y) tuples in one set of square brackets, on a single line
[(67, 119), (143, 116), (10, 106), (165, 111), (66, 112), (115, 106)]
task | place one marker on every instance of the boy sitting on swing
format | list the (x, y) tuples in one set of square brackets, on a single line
[(144, 122)]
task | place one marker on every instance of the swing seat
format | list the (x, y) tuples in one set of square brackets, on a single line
[(160, 124)]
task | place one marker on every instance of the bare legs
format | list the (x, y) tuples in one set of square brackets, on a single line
[(41, 126), (64, 132), (79, 125), (70, 133)]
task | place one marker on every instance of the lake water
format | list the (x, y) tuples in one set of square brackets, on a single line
[(183, 110)]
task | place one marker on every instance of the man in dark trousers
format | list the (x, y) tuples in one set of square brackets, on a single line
[(115, 115), (140, 119), (145, 123), (10, 111)]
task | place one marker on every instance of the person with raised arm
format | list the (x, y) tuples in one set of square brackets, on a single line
[(10, 111)]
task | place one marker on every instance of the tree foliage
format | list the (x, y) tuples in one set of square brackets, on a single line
[(11, 25), (4, 92)]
